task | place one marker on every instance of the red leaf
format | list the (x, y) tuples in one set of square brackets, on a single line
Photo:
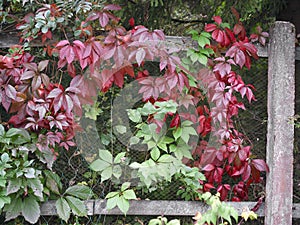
[(131, 22), (36, 82), (260, 165), (210, 27), (10, 92), (208, 167), (112, 7), (140, 55), (27, 75), (103, 19), (62, 43), (217, 19), (42, 65), (54, 93)]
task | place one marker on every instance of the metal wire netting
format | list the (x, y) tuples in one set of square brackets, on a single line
[(73, 167)]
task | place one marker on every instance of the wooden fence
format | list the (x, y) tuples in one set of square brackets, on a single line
[(278, 207)]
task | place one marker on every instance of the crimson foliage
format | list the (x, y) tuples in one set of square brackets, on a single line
[(48, 109)]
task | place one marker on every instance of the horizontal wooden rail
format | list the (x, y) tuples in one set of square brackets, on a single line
[(158, 207), (9, 39)]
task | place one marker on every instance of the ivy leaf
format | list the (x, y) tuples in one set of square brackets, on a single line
[(77, 206), (31, 209), (63, 209)]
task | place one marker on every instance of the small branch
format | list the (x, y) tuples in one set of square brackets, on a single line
[(189, 21)]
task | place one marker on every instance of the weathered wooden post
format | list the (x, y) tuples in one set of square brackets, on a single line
[(280, 137)]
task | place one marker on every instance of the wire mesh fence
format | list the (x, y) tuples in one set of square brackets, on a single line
[(73, 167)]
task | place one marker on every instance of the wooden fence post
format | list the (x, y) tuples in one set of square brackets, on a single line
[(280, 137)]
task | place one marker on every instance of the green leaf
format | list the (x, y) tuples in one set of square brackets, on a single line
[(155, 153), (202, 59), (155, 222), (37, 187), (174, 222), (134, 115), (106, 174), (177, 133), (202, 41), (123, 204), (77, 206), (77, 33), (135, 165), (31, 209), (134, 140), (148, 109), (79, 191), (13, 186), (53, 182), (63, 209), (120, 129), (206, 196), (129, 194), (234, 213), (125, 186), (112, 202), (4, 200), (119, 157), (106, 156), (99, 165), (2, 130), (117, 171), (14, 209), (173, 148), (111, 194), (44, 29), (151, 144), (2, 182), (18, 131)]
